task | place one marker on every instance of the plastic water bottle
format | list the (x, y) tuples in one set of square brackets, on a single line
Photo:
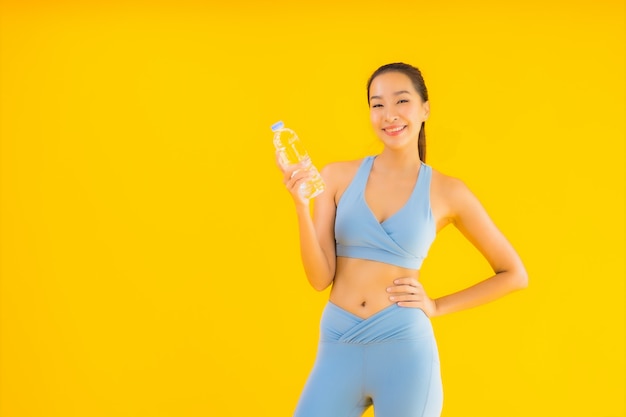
[(287, 142)]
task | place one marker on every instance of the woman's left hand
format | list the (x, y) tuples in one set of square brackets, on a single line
[(409, 292)]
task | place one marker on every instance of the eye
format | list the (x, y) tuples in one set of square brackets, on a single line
[(403, 101), (374, 106)]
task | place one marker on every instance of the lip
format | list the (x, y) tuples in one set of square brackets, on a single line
[(394, 130)]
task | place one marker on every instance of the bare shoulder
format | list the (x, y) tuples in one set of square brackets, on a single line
[(448, 196), (338, 175), (447, 186)]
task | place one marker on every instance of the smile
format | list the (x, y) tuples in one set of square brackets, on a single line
[(394, 129)]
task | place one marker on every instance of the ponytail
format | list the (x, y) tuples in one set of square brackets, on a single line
[(421, 143)]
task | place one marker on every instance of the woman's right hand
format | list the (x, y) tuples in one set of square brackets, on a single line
[(293, 176)]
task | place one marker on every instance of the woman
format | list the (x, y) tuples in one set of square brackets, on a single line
[(371, 229)]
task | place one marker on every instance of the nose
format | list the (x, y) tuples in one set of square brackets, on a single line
[(390, 116)]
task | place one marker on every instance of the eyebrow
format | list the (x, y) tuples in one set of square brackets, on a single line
[(397, 93)]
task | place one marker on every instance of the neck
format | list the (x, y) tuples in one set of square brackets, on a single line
[(400, 160)]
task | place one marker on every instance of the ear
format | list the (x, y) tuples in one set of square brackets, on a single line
[(426, 106)]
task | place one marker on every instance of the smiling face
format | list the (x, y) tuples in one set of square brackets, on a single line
[(396, 110)]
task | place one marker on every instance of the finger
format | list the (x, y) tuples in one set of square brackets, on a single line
[(409, 289), (294, 172), (296, 190), (406, 297), (293, 183), (290, 171), (296, 177), (406, 281), (401, 289), (279, 161), (417, 304), (307, 173)]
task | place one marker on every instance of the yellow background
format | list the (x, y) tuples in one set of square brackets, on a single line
[(149, 250)]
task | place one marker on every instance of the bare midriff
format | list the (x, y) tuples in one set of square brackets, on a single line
[(360, 286)]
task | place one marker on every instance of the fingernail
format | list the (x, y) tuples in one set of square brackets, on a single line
[(392, 298), (396, 281)]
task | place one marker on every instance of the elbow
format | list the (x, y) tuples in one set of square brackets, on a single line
[(320, 283), (317, 286), (514, 279), (521, 279), (320, 280)]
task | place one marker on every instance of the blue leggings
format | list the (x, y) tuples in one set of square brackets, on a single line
[(388, 360)]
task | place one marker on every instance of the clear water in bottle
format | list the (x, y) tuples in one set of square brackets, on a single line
[(291, 150)]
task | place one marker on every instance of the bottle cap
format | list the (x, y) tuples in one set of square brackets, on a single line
[(277, 126)]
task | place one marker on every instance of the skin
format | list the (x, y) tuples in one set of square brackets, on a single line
[(364, 287)]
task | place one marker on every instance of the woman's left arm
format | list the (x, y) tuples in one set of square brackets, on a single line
[(463, 209), (472, 220)]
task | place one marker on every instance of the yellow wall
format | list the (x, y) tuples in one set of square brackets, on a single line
[(148, 249)]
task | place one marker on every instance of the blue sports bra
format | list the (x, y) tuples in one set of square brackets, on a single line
[(402, 239)]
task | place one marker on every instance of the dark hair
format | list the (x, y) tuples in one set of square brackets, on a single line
[(416, 78)]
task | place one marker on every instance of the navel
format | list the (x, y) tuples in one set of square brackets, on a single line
[(363, 304)]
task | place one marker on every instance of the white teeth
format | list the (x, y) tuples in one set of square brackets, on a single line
[(395, 130)]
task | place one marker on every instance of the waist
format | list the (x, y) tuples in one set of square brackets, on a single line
[(391, 324), (360, 286)]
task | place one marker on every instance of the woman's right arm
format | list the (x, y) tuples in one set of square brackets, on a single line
[(317, 236)]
